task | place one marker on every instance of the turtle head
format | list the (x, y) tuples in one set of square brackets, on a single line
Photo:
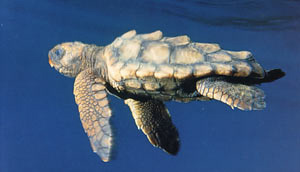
[(67, 58)]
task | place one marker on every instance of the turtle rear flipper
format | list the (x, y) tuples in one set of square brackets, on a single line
[(155, 121), (95, 113), (237, 95), (273, 75)]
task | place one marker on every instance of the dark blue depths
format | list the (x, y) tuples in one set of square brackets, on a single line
[(40, 128)]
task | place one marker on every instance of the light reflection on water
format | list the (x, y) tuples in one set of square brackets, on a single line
[(245, 14)]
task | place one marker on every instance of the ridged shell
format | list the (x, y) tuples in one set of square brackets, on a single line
[(133, 56)]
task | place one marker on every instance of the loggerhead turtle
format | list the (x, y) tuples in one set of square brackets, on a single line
[(147, 69)]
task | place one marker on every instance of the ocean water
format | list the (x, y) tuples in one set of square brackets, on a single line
[(40, 129)]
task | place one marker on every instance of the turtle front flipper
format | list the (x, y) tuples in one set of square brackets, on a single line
[(95, 113), (244, 97), (155, 121)]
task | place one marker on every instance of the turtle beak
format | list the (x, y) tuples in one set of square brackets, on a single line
[(50, 62)]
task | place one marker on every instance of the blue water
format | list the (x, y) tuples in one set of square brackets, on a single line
[(40, 129)]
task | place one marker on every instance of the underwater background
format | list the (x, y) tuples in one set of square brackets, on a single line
[(40, 129)]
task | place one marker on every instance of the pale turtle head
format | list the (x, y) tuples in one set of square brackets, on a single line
[(67, 58)]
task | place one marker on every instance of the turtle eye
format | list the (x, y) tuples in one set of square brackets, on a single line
[(59, 52)]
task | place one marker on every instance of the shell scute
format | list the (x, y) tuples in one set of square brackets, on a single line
[(220, 56), (130, 49), (109, 57), (202, 70), (223, 69), (129, 34), (186, 55), (157, 35), (164, 71), (168, 86), (129, 70), (151, 86), (156, 52), (114, 71), (240, 54), (182, 72), (206, 47), (257, 70), (145, 70), (242, 69), (117, 42), (178, 40), (133, 83)]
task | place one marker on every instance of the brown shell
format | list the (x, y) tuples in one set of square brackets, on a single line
[(133, 56)]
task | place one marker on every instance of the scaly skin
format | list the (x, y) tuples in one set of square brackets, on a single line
[(153, 118), (93, 105)]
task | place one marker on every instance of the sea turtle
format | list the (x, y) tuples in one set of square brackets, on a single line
[(147, 69)]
